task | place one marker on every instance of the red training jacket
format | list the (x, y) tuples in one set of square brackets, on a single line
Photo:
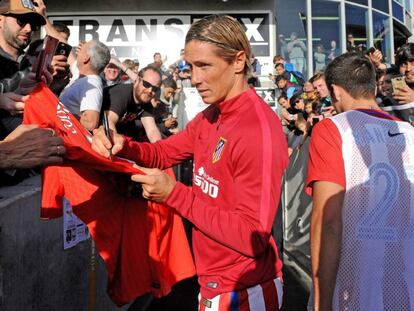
[(240, 155)]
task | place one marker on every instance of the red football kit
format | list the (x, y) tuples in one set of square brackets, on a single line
[(138, 240), (240, 155), (370, 154)]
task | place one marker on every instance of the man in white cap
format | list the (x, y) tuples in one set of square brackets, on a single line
[(18, 20)]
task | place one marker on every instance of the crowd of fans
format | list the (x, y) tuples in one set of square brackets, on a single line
[(142, 102), (303, 103)]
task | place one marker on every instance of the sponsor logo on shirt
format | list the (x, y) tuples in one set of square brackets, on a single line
[(218, 151), (394, 134), (372, 134), (207, 184), (63, 114)]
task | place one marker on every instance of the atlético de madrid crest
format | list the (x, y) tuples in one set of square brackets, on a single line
[(218, 151)]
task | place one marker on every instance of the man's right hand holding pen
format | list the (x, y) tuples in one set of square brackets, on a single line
[(107, 146)]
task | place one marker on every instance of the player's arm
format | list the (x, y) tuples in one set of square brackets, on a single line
[(162, 154), (246, 223), (240, 227), (326, 182), (325, 240)]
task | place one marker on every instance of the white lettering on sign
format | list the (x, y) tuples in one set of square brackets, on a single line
[(253, 28), (135, 37), (138, 36), (267, 95)]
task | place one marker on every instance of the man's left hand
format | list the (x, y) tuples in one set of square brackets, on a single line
[(404, 95), (156, 184)]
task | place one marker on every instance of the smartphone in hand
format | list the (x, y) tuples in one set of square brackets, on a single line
[(398, 83), (44, 59), (63, 49)]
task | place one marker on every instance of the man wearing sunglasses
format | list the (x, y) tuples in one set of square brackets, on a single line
[(18, 20), (129, 106)]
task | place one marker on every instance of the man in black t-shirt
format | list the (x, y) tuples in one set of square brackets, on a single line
[(129, 109)]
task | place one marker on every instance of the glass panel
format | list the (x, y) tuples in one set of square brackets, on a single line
[(408, 21), (408, 5), (397, 11), (381, 5), (291, 33), (356, 28), (326, 33), (400, 34), (364, 2), (382, 36)]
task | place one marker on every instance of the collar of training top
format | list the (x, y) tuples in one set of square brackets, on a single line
[(234, 103)]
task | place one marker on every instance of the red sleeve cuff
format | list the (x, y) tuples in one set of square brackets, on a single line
[(124, 150), (180, 198)]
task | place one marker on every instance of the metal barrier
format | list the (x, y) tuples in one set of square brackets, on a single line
[(35, 272), (296, 207)]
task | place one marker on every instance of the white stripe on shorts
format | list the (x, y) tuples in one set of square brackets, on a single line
[(256, 299), (279, 288)]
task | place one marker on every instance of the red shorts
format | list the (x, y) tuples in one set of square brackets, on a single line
[(267, 296)]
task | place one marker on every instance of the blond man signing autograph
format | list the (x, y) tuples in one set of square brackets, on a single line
[(239, 157)]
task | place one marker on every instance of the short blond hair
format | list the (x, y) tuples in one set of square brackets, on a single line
[(226, 33)]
